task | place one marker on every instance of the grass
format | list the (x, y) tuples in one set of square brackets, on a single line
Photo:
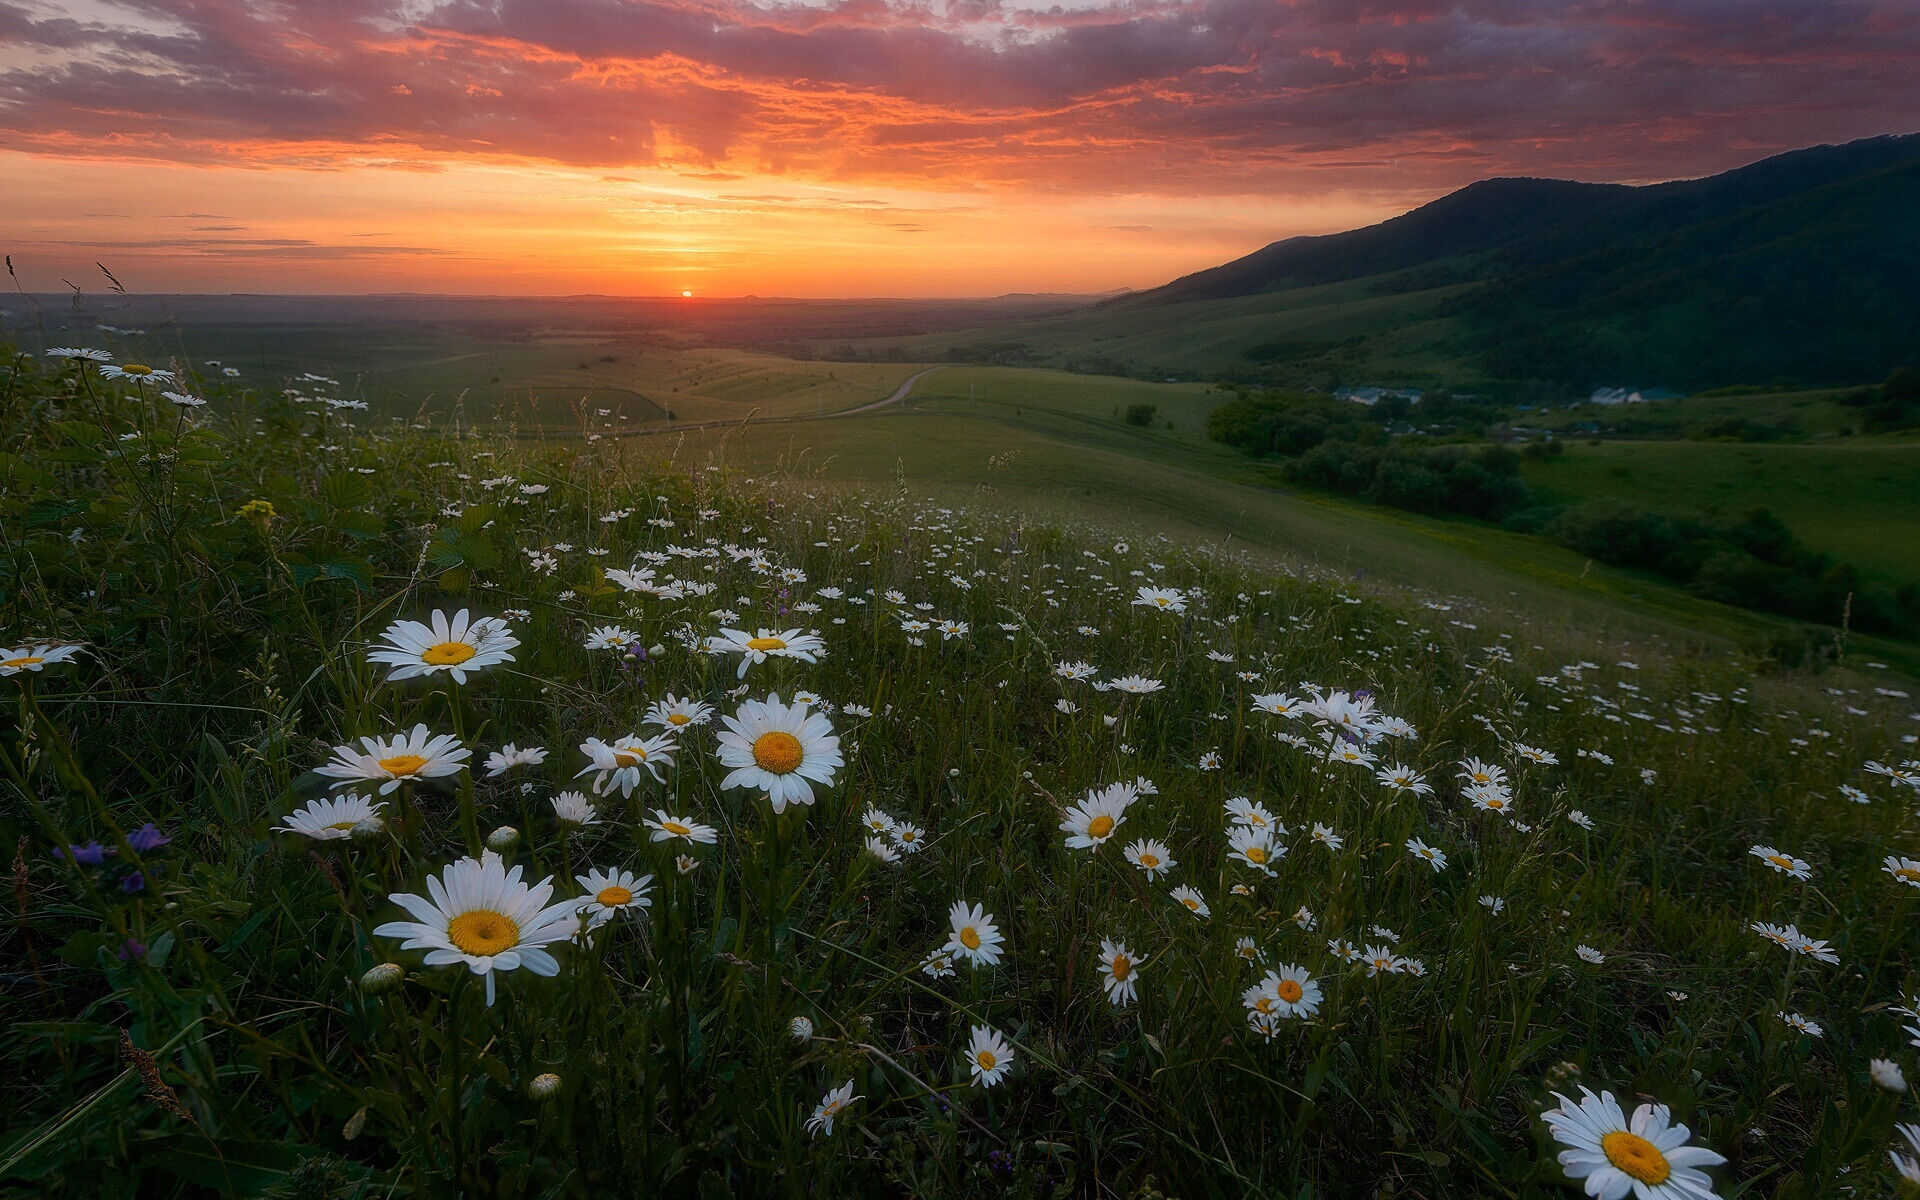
[(210, 1014)]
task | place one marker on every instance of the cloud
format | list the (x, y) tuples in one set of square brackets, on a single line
[(1165, 97)]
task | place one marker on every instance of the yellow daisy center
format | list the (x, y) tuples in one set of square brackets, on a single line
[(483, 932), (1263, 1004), (402, 764), (25, 660), (629, 757), (1482, 777), (908, 835), (1162, 601), (1496, 804), (1121, 967), (766, 643), (1636, 1156), (675, 827), (778, 752), (1781, 861), (970, 938), (678, 718), (1100, 826), (987, 1060), (1256, 854), (447, 654), (1256, 820), (1289, 991), (614, 896), (1149, 860), (1910, 874), (343, 825), (136, 369), (1192, 904)]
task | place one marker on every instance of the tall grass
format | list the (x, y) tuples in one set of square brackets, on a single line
[(194, 1017)]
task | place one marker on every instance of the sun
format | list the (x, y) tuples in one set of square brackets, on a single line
[(686, 294)]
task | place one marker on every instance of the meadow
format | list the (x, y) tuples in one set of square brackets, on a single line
[(406, 813)]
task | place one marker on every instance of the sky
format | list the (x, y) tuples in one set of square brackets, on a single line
[(857, 147)]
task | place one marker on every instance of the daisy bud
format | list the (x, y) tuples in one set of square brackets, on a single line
[(543, 1085), (503, 839), (383, 978), (801, 1029), (656, 650), (686, 864)]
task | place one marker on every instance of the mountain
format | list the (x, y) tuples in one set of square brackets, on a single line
[(1798, 268)]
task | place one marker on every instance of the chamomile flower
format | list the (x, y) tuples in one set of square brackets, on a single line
[(137, 372), (609, 894), (1404, 779), (1163, 599), (1135, 685), (509, 756), (573, 809), (1327, 837), (610, 637), (618, 764), (457, 645), (1090, 823), (34, 658), (877, 822), (332, 818), (883, 850), (1242, 811), (1801, 1024), (1150, 856), (780, 749), (1191, 900), (938, 965), (1906, 870), (479, 913), (1381, 960), (1254, 848), (1278, 704), (1785, 864), (1432, 857), (1489, 798), (1119, 969), (1589, 954), (1909, 1168), (666, 827), (1647, 1156), (989, 1057), (908, 837), (393, 761), (1290, 992), (831, 1105), (975, 937), (767, 643), (674, 714), (1483, 773)]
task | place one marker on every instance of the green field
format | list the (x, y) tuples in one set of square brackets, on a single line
[(1052, 444)]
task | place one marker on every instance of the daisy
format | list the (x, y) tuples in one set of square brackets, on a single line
[(79, 354), (754, 650), (1163, 599), (877, 822), (1786, 864), (481, 914), (1886, 1073), (1489, 798), (138, 372), (1135, 685), (575, 810), (1646, 1156), (1291, 991), (1119, 968), (455, 645), (1380, 960), (1815, 948), (1909, 1168), (1327, 837), (510, 756), (909, 838), (989, 1057), (1906, 870), (1191, 900), (666, 828), (1589, 954), (831, 1105), (975, 937), (938, 965), (332, 818), (1254, 847), (612, 893), (1091, 822), (1493, 904), (1802, 1024), (1434, 858), (1475, 771), (610, 637), (1074, 670), (392, 761), (1278, 704), (1581, 819), (778, 748), (1150, 856), (883, 850), (1545, 758), (1243, 811), (1405, 779), (184, 400), (673, 713), (34, 658), (1246, 949), (617, 764)]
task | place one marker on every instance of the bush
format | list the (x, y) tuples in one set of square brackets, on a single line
[(1140, 414)]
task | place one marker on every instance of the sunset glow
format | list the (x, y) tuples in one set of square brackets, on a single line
[(859, 147)]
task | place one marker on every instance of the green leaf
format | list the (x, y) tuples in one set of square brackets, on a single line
[(346, 490), (230, 1167)]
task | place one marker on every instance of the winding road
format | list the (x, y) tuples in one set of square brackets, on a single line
[(900, 393)]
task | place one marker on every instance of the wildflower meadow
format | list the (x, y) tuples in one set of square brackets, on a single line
[(399, 810)]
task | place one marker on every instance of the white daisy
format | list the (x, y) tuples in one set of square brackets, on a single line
[(1119, 968), (34, 658), (767, 643), (332, 818), (1090, 823), (609, 894), (831, 1105), (989, 1057), (456, 645), (975, 937), (510, 756), (1646, 1156), (618, 764), (481, 914), (780, 749), (390, 762)]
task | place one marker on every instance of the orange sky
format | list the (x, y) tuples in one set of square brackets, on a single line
[(857, 147)]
